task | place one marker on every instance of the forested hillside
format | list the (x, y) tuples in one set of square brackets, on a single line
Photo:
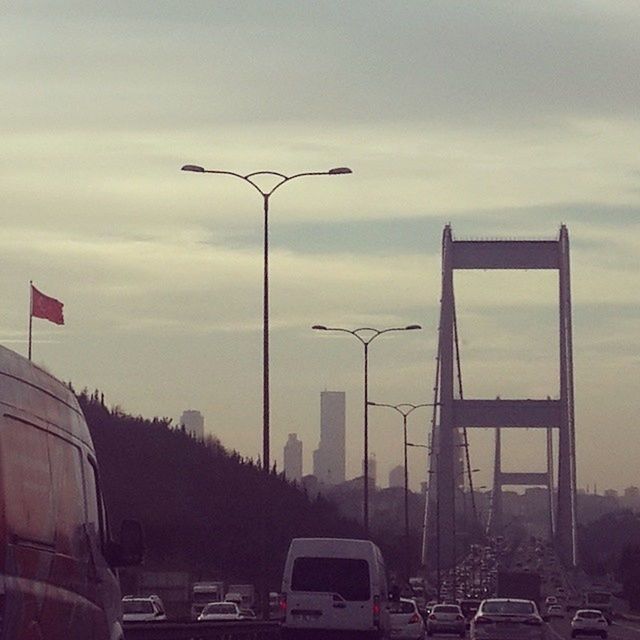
[(200, 505)]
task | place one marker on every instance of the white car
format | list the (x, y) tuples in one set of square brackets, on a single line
[(555, 611), (508, 619), (221, 611), (446, 618), (589, 622), (141, 610), (406, 621)]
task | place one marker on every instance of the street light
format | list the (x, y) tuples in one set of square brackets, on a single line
[(370, 335), (266, 194), (404, 409), (280, 179)]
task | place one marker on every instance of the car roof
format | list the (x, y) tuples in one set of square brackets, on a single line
[(588, 611)]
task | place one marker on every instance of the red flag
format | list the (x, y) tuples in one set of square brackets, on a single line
[(45, 307)]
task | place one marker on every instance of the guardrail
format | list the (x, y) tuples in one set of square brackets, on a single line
[(227, 630)]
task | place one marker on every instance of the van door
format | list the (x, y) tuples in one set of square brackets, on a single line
[(330, 593)]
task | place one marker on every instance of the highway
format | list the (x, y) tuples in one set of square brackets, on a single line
[(619, 630)]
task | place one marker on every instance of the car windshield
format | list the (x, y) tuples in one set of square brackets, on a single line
[(137, 606), (444, 608), (219, 607), (402, 607), (508, 607), (348, 577)]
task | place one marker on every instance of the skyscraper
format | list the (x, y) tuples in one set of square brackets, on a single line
[(293, 458), (193, 423), (329, 457)]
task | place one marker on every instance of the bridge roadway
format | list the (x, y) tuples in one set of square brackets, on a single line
[(621, 629)]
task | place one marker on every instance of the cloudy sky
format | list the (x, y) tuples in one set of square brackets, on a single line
[(502, 118)]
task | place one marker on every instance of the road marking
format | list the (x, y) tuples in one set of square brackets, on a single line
[(624, 626), (555, 633)]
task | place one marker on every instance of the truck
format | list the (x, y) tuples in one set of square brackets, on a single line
[(599, 599), (203, 593), (246, 593), (519, 584)]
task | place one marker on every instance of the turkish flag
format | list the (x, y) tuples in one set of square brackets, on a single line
[(45, 307)]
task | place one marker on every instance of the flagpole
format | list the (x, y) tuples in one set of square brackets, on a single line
[(30, 313)]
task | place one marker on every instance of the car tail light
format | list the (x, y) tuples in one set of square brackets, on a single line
[(482, 620), (533, 621), (414, 619), (432, 616), (376, 610), (282, 603)]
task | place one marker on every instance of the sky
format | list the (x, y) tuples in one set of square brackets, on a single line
[(503, 119)]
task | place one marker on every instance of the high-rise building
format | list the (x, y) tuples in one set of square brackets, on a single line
[(293, 458), (193, 423), (373, 470), (396, 476), (329, 457)]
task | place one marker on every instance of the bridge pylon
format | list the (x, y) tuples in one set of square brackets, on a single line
[(455, 413)]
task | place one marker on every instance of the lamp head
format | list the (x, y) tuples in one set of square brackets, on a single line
[(319, 327), (192, 167), (336, 171)]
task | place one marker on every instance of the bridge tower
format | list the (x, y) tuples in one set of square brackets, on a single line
[(455, 413)]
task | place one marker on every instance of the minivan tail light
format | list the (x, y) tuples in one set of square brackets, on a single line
[(282, 603), (376, 610)]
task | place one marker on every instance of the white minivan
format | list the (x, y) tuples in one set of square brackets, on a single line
[(334, 587)]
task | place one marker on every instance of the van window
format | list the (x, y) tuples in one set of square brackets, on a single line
[(348, 577), (26, 481), (66, 480), (96, 517)]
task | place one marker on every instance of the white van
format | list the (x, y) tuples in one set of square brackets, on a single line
[(57, 558), (334, 587)]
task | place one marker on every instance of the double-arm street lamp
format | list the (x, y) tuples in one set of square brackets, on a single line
[(277, 180), (280, 179), (404, 409), (366, 335)]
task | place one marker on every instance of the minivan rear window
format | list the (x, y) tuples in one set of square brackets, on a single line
[(348, 577)]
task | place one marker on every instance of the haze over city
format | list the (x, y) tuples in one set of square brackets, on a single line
[(503, 122)]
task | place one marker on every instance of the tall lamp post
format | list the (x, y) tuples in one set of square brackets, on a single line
[(404, 409), (370, 334), (279, 179)]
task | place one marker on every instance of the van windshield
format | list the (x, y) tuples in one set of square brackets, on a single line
[(348, 577)]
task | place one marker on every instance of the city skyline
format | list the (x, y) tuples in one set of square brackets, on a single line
[(502, 123)]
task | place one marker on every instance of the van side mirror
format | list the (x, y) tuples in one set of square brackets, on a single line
[(129, 549)]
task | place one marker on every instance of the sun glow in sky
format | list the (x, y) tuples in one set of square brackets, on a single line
[(504, 119)]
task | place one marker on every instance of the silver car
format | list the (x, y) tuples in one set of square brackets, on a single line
[(508, 619), (446, 618)]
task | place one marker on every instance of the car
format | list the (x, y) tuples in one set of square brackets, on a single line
[(334, 586), (511, 619), (446, 618), (221, 611), (405, 620), (555, 611), (58, 577), (589, 622), (141, 610)]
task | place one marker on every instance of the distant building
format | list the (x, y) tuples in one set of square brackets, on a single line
[(396, 476), (611, 493), (373, 470), (329, 464), (293, 458), (193, 423), (632, 492)]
